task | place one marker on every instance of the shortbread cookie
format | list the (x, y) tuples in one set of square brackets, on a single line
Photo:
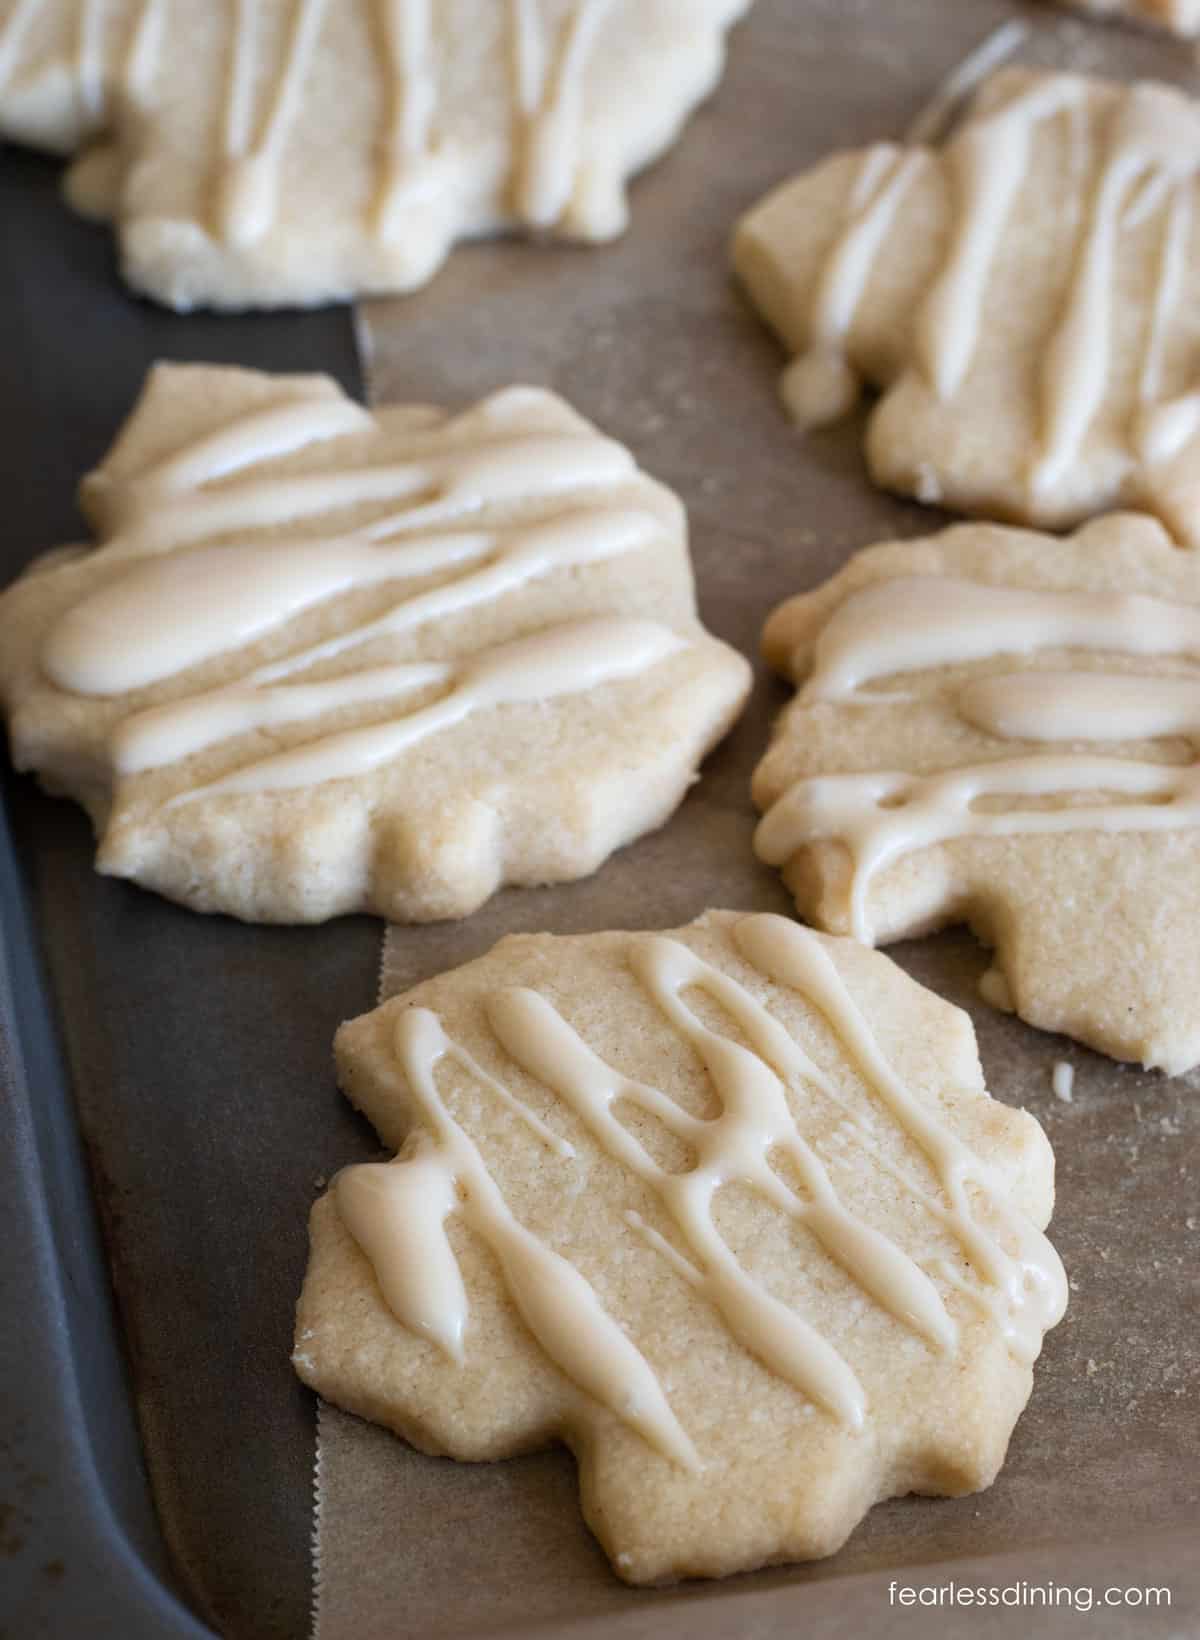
[(1001, 728), (327, 660), (1024, 296), (300, 151), (1179, 16), (728, 1210)]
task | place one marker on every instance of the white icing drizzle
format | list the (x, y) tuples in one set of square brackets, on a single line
[(912, 623), (1145, 198), (282, 430), (877, 162), (188, 607), (1155, 130), (12, 36), (239, 106), (184, 608), (397, 1211), (1073, 705), (89, 58), (568, 659), (1164, 429), (94, 180), (249, 177), (90, 68), (820, 385), (167, 612), (964, 80), (459, 480), (144, 50), (407, 27), (1148, 163), (549, 96), (1079, 162), (1028, 1284), (754, 1120), (880, 817), (988, 161), (385, 1208), (165, 734), (132, 73), (575, 539)]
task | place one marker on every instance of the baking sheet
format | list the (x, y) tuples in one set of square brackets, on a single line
[(199, 1049)]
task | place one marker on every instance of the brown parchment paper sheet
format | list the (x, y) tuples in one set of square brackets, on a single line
[(650, 338)]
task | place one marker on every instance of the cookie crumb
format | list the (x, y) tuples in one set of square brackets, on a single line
[(1062, 1080)]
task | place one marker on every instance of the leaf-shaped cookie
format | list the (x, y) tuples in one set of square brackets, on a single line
[(300, 151), (727, 1209), (1001, 728), (326, 660), (1024, 297)]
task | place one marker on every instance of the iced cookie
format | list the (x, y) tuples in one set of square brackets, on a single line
[(325, 660), (300, 151), (728, 1210), (1023, 296), (996, 727), (1179, 16)]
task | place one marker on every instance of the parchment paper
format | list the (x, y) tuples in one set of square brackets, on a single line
[(650, 339)]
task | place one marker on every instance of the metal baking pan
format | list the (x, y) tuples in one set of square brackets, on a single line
[(182, 1062)]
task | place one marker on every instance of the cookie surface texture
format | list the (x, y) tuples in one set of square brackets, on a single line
[(302, 151), (326, 660), (1023, 296), (997, 727), (728, 1210)]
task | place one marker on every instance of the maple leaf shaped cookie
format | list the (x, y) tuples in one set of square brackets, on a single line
[(996, 727), (300, 151), (1024, 297), (326, 660), (728, 1210)]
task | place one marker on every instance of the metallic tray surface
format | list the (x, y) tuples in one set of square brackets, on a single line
[(187, 1057)]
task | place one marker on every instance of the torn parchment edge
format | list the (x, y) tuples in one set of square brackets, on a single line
[(385, 987), (318, 1481)]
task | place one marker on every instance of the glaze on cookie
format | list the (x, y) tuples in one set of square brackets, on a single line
[(302, 151), (324, 659), (727, 1209), (1002, 728), (1022, 297)]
